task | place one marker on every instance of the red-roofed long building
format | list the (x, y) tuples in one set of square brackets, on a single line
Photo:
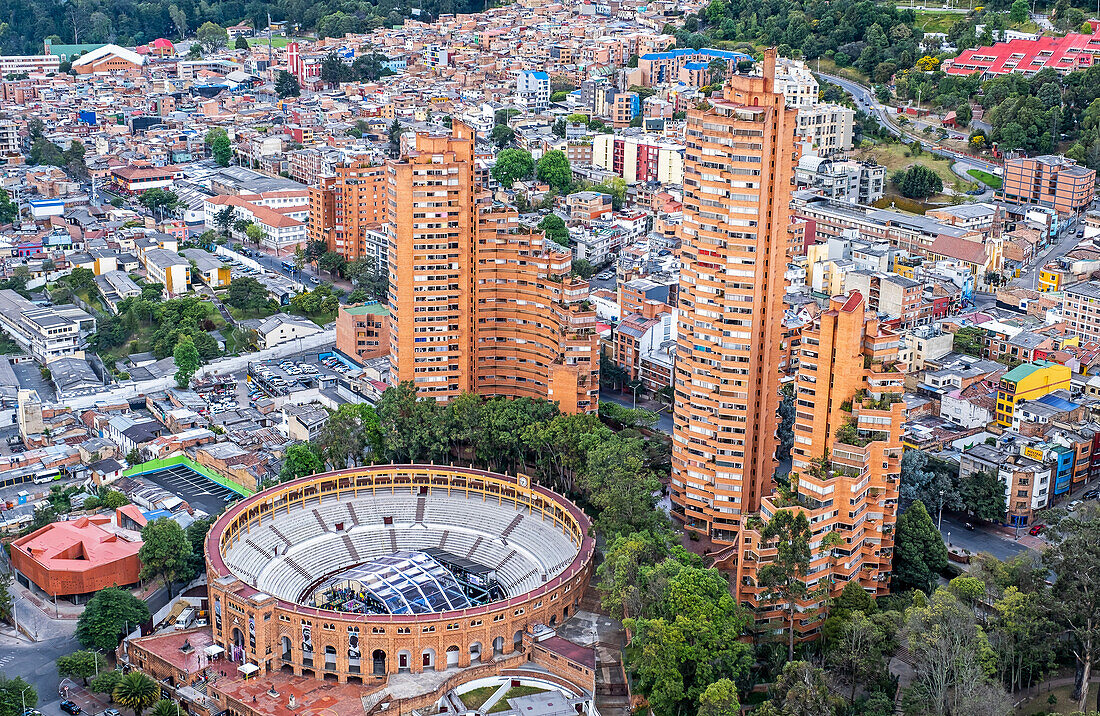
[(78, 557), (1064, 54)]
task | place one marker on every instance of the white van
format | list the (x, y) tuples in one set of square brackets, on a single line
[(186, 618)]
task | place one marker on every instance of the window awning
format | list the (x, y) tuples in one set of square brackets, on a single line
[(248, 669), (213, 650)]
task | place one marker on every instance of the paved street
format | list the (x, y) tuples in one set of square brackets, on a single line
[(1067, 240), (979, 540), (865, 100)]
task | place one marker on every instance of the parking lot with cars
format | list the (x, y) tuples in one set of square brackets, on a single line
[(193, 488)]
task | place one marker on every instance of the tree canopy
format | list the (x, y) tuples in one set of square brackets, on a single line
[(107, 617)]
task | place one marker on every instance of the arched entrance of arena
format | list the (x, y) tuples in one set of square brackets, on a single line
[(498, 645), (378, 659), (286, 655), (238, 644), (404, 661), (453, 654), (475, 652), (517, 640), (427, 659), (330, 659)]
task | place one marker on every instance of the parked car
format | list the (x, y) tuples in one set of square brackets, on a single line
[(314, 280), (70, 708), (1074, 505), (1091, 494), (1036, 530)]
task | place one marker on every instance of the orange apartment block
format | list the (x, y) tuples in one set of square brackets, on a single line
[(477, 304), (363, 331), (1052, 181), (739, 169), (343, 206), (846, 465)]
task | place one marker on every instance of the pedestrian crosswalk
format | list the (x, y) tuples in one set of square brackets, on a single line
[(5, 659)]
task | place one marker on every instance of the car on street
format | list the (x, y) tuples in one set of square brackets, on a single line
[(70, 707), (1074, 505), (1036, 530), (111, 712), (314, 280), (1091, 494)]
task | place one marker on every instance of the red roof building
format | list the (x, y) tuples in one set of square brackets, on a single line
[(1064, 54), (78, 557)]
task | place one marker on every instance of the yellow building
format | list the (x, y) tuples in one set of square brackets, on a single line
[(1028, 382), (1050, 279)]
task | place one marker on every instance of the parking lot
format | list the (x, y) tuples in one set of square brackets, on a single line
[(274, 378), (197, 490)]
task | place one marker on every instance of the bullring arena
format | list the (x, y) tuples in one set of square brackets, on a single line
[(360, 575)]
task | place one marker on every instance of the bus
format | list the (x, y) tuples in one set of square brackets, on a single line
[(288, 266)]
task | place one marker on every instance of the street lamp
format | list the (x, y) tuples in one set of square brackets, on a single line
[(939, 520), (636, 386)]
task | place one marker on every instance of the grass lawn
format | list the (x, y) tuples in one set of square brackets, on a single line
[(275, 41), (321, 319), (474, 698), (936, 21), (1040, 704), (829, 67), (892, 156), (242, 314), (985, 177), (513, 693)]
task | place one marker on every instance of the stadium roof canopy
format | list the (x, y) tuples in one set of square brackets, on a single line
[(405, 583)]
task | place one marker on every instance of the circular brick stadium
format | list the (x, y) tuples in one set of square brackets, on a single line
[(359, 573)]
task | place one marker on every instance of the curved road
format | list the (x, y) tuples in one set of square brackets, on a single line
[(866, 101)]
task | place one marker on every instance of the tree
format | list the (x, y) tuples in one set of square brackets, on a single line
[(583, 269), (6, 605), (502, 135), (917, 182), (857, 651), (9, 210), (15, 695), (720, 699), (513, 165), (333, 70), (332, 262), (255, 234), (212, 36), (931, 483), (952, 660), (801, 690), (246, 294), (164, 551), (1019, 11), (109, 615), (366, 274), (186, 358), (984, 495), (286, 85), (241, 43), (554, 228), (113, 499), (81, 665), (963, 114), (81, 279), (158, 200), (919, 552), (1074, 558), (553, 168), (783, 578), (106, 682), (351, 436), (395, 138), (224, 219), (164, 707), (1020, 634), (222, 150), (136, 691), (621, 486), (785, 431), (301, 460)]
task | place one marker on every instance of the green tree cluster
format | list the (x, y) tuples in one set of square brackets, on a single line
[(917, 182), (107, 617)]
